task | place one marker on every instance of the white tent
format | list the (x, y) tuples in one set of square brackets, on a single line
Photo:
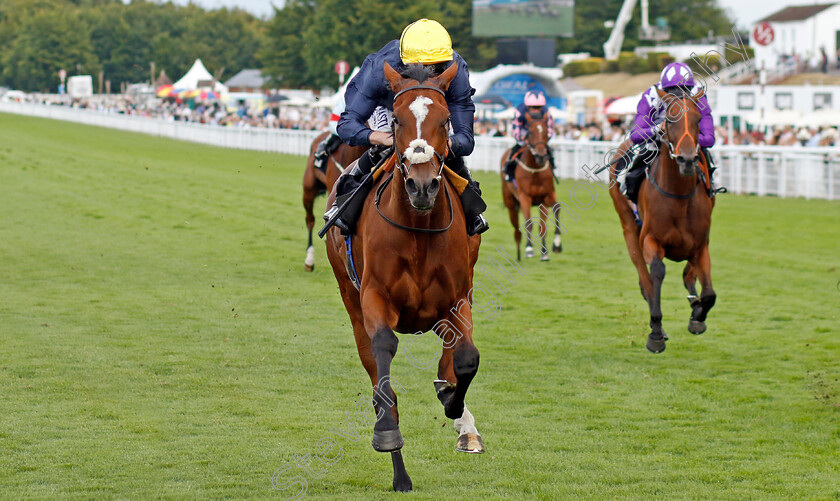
[(198, 73), (623, 106)]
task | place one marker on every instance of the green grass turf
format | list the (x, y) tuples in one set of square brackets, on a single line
[(159, 338)]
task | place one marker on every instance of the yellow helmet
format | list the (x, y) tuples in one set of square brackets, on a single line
[(426, 42)]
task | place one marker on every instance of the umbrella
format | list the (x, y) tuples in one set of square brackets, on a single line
[(189, 93), (491, 99), (276, 98), (164, 90), (207, 95)]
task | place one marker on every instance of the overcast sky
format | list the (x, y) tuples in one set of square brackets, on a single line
[(745, 11)]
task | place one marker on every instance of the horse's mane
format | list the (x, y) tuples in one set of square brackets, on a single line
[(418, 72), (679, 91)]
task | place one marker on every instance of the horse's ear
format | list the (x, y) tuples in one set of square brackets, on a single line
[(393, 77), (447, 76), (661, 93), (699, 95)]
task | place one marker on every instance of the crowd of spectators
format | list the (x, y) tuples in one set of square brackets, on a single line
[(781, 136), (277, 115)]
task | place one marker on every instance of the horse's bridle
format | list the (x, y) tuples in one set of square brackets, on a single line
[(533, 146), (672, 150), (400, 164)]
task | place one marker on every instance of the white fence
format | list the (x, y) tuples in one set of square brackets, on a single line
[(761, 170)]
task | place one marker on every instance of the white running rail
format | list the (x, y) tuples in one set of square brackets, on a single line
[(761, 170)]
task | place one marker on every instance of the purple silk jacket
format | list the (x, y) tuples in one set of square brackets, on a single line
[(651, 112)]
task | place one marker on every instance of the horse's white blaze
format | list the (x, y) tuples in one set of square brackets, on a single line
[(539, 128), (465, 423), (310, 256), (420, 108)]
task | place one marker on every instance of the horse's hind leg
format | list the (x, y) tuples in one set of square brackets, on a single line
[(309, 194), (689, 279), (551, 201), (456, 369), (544, 222), (702, 266)]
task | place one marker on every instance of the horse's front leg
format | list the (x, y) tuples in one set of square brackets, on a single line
[(379, 316), (654, 253), (544, 222), (551, 201), (525, 207), (456, 369), (702, 266)]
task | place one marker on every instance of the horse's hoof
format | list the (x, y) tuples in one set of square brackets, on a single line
[(655, 344), (471, 443), (557, 249), (402, 484), (529, 252), (309, 263), (387, 440), (544, 257), (696, 327)]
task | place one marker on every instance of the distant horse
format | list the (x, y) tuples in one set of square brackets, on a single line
[(413, 264), (534, 187), (316, 183), (676, 213)]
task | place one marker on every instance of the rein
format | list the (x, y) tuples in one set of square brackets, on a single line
[(672, 153), (381, 189), (650, 177)]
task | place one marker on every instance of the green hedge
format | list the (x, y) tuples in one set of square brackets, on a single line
[(588, 66)]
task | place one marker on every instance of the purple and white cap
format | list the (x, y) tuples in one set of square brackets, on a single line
[(676, 75)]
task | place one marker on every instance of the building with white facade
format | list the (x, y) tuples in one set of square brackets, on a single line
[(801, 31)]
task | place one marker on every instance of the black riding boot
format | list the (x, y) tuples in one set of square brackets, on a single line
[(474, 206), (636, 173), (325, 149), (551, 159), (510, 165), (352, 189), (710, 161)]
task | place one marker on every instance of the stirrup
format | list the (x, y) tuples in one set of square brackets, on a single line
[(338, 223), (479, 226)]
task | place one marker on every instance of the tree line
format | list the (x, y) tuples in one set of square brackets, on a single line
[(297, 47)]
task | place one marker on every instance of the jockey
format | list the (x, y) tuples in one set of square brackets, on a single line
[(648, 126), (532, 106), (422, 42)]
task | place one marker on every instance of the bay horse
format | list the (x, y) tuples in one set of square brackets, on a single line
[(675, 207), (316, 183), (413, 263), (534, 186)]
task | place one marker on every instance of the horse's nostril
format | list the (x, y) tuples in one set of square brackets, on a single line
[(680, 159), (411, 187), (434, 186), (696, 159)]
